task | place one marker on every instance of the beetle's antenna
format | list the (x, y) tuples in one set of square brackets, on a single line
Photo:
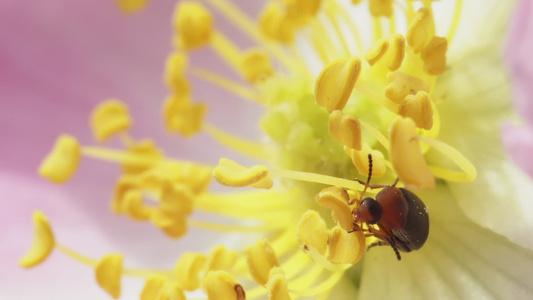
[(369, 175)]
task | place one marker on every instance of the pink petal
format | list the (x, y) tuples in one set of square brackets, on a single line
[(519, 140)]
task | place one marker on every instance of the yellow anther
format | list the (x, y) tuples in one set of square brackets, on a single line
[(184, 117), (380, 8), (193, 24), (356, 1), (43, 242), (406, 155), (302, 8), (122, 187), (394, 57), (277, 285), (312, 231), (130, 6), (360, 160), (434, 56), (173, 225), (402, 84), (335, 83), (345, 129), (221, 258), (110, 118), (230, 173), (175, 73), (62, 162), (171, 291), (275, 23), (188, 270), (261, 259), (109, 274), (420, 31), (376, 52), (344, 247), (134, 206), (221, 285), (256, 65), (336, 199), (176, 198), (418, 108), (152, 287), (145, 149)]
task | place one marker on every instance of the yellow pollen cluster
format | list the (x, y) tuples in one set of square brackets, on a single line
[(370, 113)]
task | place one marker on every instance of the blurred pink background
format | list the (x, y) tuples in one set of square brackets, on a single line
[(58, 59)]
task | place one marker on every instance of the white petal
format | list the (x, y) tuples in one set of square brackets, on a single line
[(460, 260)]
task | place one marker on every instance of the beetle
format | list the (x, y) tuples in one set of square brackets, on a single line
[(401, 217)]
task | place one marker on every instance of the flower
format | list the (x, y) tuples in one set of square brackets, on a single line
[(439, 114)]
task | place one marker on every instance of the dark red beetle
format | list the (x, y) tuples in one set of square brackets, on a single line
[(401, 217)]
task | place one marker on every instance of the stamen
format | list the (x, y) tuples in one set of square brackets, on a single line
[(323, 286), (420, 31), (277, 285), (418, 108), (376, 51), (434, 56), (468, 173), (230, 173), (252, 149), (171, 291), (173, 225), (312, 231), (384, 141), (131, 6), (109, 274), (340, 36), (188, 268), (221, 285), (193, 24), (345, 129), (231, 86), (152, 287), (406, 155), (43, 242), (380, 8), (276, 24), (110, 118), (62, 162), (221, 258), (227, 50), (323, 261), (394, 57), (183, 116), (455, 21), (243, 22), (360, 160), (256, 66), (175, 67), (402, 84), (344, 247), (336, 82), (316, 178), (234, 228), (377, 97), (338, 10), (261, 259), (336, 199)]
